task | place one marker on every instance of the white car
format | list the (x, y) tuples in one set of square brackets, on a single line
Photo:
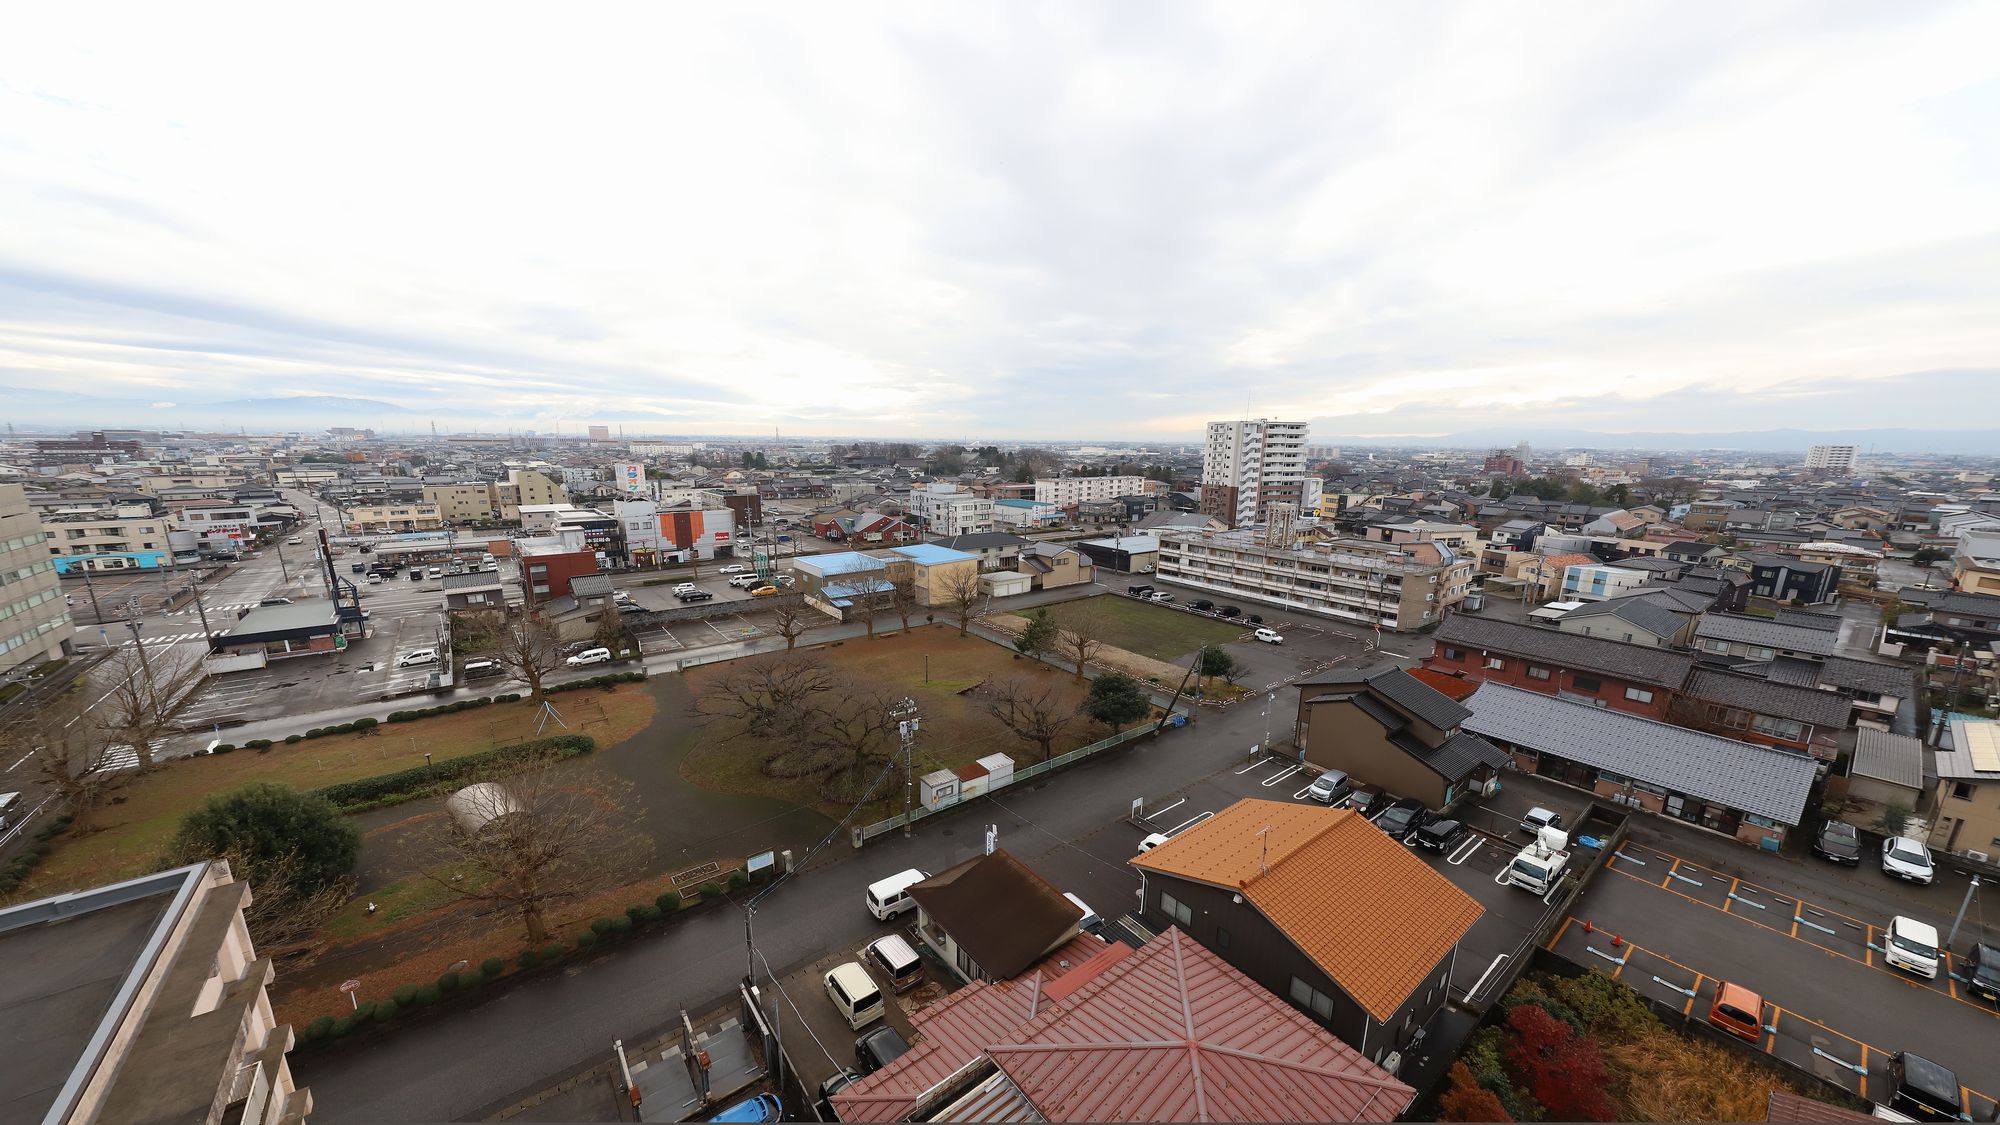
[(374, 580), (420, 656), (620, 596), (590, 656), (1152, 840), (1912, 946), (732, 568), (293, 541), (745, 581), (434, 572), (684, 588), (1904, 858), (1269, 636)]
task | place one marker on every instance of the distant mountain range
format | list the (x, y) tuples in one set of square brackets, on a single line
[(1964, 442)]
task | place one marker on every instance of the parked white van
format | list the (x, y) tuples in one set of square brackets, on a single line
[(854, 994), (891, 896), (1912, 946)]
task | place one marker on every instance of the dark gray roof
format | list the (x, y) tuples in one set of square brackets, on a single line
[(1828, 622), (477, 580), (1402, 689), (981, 540), (1765, 697), (1789, 562), (317, 613), (1640, 663), (1636, 610), (590, 585), (1866, 675), (1456, 757), (1952, 601), (1740, 775), (1763, 632), (1895, 758)]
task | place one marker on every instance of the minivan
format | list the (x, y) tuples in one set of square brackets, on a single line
[(1982, 970), (416, 657), (8, 803), (890, 897), (898, 962), (1738, 1011), (1911, 945), (1330, 788), (1923, 1090), (854, 994), (743, 581), (477, 669)]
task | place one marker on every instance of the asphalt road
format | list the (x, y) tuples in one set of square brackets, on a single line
[(527, 1036)]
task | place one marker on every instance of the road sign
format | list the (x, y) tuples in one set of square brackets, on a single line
[(350, 986)]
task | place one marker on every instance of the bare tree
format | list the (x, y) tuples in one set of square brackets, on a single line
[(902, 591), (769, 697), (1082, 634), (866, 603), (960, 587), (1037, 715), (792, 618), (534, 841), (145, 692), (852, 732), (529, 647), (68, 752), (285, 907)]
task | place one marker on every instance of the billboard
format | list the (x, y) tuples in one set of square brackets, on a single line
[(629, 477)]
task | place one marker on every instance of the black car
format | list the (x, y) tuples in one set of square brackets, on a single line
[(1982, 971), (1140, 590), (1440, 835), (1402, 818), (696, 595), (878, 1049), (1228, 611), (1201, 603), (1838, 842), (1256, 620)]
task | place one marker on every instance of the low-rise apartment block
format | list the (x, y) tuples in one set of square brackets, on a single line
[(389, 519), (1398, 586), (1066, 492), (464, 501), (945, 510), (126, 537)]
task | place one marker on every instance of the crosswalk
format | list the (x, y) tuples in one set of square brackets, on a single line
[(119, 758), (164, 639), (226, 608)]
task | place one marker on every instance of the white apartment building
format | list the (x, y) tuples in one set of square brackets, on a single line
[(945, 510), (1399, 586), (386, 519), (1251, 464), (1837, 460), (1067, 492), (126, 537), (34, 618)]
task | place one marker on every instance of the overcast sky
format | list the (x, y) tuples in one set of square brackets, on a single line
[(1003, 219)]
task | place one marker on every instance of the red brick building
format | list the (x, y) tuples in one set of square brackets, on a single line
[(547, 574), (1636, 679)]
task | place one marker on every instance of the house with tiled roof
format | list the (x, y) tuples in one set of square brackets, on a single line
[(1169, 1031), (1393, 730), (1320, 907), (992, 916), (1634, 678)]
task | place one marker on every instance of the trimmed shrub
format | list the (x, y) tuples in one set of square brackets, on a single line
[(621, 925), (362, 1013), (644, 914), (528, 959), (585, 940), (386, 1010), (447, 982), (711, 889), (315, 732), (340, 1028), (317, 1029), (554, 951), (223, 748), (469, 980), (292, 738), (668, 902), (258, 744), (385, 788), (429, 994), (364, 724), (492, 967), (738, 879), (600, 926), (405, 994), (510, 697)]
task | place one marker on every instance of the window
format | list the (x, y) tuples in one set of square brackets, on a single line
[(1961, 790), (1718, 646), (1175, 909), (1312, 999), (1638, 695), (1535, 673), (1788, 729), (1586, 683), (1495, 663), (1759, 652)]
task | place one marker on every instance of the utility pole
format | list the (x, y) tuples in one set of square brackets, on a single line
[(1970, 890), (84, 565), (282, 568), (152, 690), (907, 722)]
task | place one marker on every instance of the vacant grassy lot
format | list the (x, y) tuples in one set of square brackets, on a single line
[(125, 839), (956, 726), (1149, 630)]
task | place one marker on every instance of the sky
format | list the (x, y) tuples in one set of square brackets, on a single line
[(1002, 220)]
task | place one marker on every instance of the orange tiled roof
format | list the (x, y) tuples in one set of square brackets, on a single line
[(1457, 688), (1375, 917)]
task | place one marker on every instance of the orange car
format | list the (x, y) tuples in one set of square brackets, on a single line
[(1738, 1011), (764, 591)]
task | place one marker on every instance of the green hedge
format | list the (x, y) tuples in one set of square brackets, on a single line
[(452, 708), (606, 680), (402, 785)]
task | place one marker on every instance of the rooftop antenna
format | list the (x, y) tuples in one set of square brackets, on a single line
[(1264, 850)]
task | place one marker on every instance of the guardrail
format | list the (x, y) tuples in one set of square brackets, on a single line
[(867, 832)]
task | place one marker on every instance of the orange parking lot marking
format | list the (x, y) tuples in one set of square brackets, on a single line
[(1560, 931)]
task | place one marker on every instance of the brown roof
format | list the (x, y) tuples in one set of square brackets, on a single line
[(1370, 914), (1789, 1108), (999, 911), (1169, 1032), (1457, 688)]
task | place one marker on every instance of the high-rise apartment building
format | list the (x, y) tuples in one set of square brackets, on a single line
[(600, 433), (34, 618), (1250, 465), (1834, 460)]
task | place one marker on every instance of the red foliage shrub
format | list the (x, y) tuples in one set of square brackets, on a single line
[(1467, 1100), (1563, 1071)]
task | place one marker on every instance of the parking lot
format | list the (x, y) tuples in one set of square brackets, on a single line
[(817, 1039), (1672, 927)]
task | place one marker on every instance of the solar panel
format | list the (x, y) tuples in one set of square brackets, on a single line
[(1982, 741)]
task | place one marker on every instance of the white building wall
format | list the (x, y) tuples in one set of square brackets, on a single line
[(1065, 491)]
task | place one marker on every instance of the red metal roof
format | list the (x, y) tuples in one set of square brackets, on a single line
[(1169, 1032)]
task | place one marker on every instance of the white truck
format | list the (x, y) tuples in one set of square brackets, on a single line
[(1537, 866)]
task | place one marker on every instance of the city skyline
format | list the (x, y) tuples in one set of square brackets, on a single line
[(1392, 226)]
